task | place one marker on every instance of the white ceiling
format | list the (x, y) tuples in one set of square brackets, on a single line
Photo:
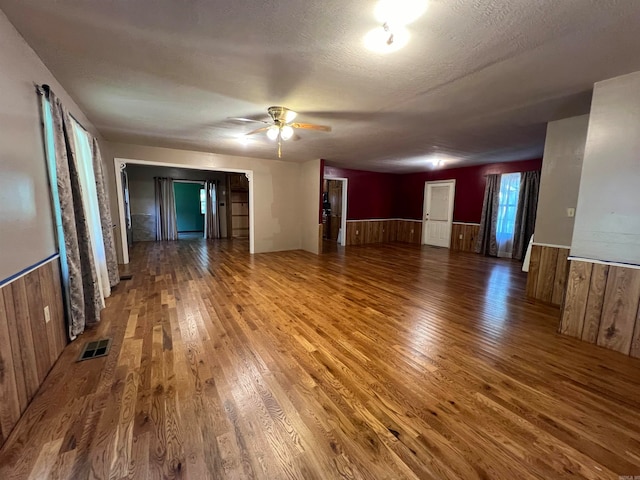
[(477, 82)]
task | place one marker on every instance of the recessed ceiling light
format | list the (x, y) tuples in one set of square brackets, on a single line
[(384, 40), (398, 13)]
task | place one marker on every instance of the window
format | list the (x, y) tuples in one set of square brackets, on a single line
[(83, 149), (50, 149), (507, 209), (203, 201)]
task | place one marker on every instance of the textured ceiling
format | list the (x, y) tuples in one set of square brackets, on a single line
[(477, 82)]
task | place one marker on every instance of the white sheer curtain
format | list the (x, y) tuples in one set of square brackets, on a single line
[(507, 209), (91, 207)]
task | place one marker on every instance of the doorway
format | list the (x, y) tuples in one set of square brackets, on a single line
[(334, 210), (190, 197), (142, 210), (438, 213)]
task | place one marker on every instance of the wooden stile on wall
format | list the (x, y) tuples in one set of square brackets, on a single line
[(29, 345), (602, 306), (547, 276)]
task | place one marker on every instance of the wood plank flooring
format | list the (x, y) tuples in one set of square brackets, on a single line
[(387, 361)]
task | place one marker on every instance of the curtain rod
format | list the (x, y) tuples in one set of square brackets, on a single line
[(44, 90), (184, 180), (507, 173)]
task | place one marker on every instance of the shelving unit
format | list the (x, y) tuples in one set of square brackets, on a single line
[(239, 219)]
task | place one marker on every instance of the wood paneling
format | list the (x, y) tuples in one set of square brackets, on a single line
[(409, 232), (548, 270), (463, 236), (602, 306), (392, 361), (363, 232), (620, 309), (560, 281), (593, 313), (29, 346), (575, 304)]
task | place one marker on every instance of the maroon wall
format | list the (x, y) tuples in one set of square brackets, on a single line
[(470, 183), (369, 194)]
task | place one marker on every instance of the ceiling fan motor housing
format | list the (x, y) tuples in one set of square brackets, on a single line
[(278, 114)]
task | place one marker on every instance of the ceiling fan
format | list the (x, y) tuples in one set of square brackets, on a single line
[(282, 128)]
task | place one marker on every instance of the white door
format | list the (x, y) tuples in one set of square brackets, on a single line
[(438, 213)]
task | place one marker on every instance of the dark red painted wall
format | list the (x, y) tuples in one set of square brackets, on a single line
[(387, 195), (470, 183), (369, 194)]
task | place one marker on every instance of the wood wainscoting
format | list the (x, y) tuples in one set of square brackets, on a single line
[(363, 232), (464, 236), (29, 345), (602, 306), (548, 270)]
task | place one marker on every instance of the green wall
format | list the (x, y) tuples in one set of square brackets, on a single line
[(188, 207)]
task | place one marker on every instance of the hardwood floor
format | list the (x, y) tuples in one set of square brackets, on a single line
[(378, 362)]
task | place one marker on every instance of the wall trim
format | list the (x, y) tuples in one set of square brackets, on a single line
[(604, 262), (383, 220), (465, 223), (567, 247), (28, 270)]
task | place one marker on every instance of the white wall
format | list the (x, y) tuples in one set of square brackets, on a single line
[(26, 225), (560, 180), (278, 202), (310, 205), (607, 225)]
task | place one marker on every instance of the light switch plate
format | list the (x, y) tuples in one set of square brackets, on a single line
[(47, 315), (571, 212)]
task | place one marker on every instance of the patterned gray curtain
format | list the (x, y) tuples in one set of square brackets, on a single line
[(166, 218), (213, 220), (83, 291), (487, 243), (105, 216), (526, 214)]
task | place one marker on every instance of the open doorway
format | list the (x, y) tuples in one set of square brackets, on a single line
[(334, 210), (198, 202), (190, 197)]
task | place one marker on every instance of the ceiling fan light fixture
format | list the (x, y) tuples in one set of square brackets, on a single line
[(290, 116), (399, 13), (286, 132), (272, 132)]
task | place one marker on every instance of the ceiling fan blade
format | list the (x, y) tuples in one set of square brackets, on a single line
[(311, 126), (263, 129), (241, 119)]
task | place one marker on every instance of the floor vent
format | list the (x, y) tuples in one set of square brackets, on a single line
[(95, 349)]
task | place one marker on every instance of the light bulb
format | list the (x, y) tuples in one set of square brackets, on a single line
[(272, 132), (386, 41), (398, 13), (290, 116), (286, 133)]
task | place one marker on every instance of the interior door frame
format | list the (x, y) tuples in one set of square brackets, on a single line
[(425, 205), (343, 220), (121, 163), (203, 185)]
